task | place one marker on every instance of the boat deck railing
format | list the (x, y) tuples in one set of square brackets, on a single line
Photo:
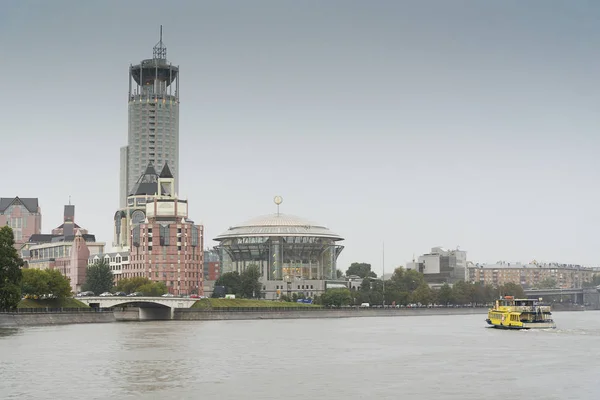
[(535, 309)]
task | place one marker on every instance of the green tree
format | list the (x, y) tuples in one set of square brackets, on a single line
[(407, 280), (153, 289), (445, 295), (547, 283), (362, 270), (232, 282), (98, 278), (59, 286), (422, 295), (34, 282), (131, 285), (512, 289), (10, 270), (461, 293), (250, 286), (339, 273), (336, 297)]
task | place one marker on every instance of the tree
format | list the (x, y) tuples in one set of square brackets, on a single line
[(445, 294), (231, 281), (98, 278), (59, 286), (336, 297), (339, 273), (407, 280), (153, 289), (547, 283), (10, 270), (131, 285), (512, 289), (362, 270), (34, 282), (461, 293), (38, 282), (250, 286), (422, 295)]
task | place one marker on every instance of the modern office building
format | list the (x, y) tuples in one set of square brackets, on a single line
[(153, 134), (441, 266), (166, 246), (293, 254), (23, 215)]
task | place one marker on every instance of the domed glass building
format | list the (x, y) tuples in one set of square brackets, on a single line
[(294, 255)]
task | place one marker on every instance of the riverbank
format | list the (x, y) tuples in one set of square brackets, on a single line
[(135, 314), (42, 317), (190, 314)]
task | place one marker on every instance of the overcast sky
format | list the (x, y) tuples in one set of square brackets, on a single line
[(429, 123)]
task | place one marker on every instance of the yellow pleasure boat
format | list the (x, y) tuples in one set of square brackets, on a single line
[(511, 313)]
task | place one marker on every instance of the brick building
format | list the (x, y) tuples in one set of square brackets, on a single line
[(66, 249), (566, 276), (23, 215), (166, 246)]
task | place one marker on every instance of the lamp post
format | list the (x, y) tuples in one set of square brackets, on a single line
[(383, 272)]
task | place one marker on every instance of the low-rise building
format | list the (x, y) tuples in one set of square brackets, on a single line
[(118, 261), (66, 249), (212, 265)]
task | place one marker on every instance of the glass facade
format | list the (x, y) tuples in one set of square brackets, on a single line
[(284, 258)]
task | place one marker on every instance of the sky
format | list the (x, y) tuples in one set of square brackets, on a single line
[(409, 124)]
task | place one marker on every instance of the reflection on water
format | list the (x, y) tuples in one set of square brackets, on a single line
[(8, 331), (446, 357)]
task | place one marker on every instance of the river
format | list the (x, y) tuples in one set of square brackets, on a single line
[(421, 357)]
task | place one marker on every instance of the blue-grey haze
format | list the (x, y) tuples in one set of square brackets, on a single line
[(422, 123)]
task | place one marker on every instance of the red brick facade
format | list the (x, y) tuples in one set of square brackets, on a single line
[(170, 253)]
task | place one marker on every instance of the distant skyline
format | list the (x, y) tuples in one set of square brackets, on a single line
[(421, 124)]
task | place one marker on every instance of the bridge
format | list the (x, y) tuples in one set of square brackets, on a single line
[(586, 296), (139, 308), (554, 292)]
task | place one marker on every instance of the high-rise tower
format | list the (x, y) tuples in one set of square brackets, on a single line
[(153, 134)]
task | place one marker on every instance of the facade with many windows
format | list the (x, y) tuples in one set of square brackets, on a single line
[(66, 249), (293, 254), (118, 261), (166, 246), (153, 134), (532, 275)]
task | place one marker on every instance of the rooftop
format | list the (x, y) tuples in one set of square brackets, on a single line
[(278, 225), (31, 204)]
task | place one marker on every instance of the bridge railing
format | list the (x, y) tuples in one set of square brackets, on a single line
[(315, 309)]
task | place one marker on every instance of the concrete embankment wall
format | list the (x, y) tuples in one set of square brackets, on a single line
[(183, 314), (54, 318)]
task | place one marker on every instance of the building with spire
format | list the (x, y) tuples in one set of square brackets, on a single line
[(154, 238), (144, 191), (153, 134), (66, 249), (166, 246)]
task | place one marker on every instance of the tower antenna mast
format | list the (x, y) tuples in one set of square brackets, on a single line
[(160, 50)]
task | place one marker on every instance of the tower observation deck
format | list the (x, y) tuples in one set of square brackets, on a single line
[(153, 133)]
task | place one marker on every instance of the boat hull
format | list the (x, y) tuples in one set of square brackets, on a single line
[(525, 325)]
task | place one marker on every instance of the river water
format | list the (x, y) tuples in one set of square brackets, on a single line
[(421, 357)]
